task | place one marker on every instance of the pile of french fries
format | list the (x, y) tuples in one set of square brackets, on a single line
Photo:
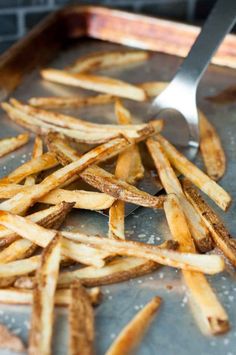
[(33, 247)]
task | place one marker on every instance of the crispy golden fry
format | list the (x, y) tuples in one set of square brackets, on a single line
[(132, 334), (208, 311), (23, 248), (62, 297), (42, 237), (8, 145), (81, 322), (35, 165), (194, 174), (20, 267), (96, 83), (209, 264), (129, 168), (101, 179), (23, 200), (37, 152), (43, 299), (70, 101), (170, 182), (89, 200), (219, 232), (211, 149), (101, 60), (10, 341), (153, 88), (51, 217)]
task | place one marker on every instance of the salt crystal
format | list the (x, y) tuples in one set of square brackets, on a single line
[(136, 307), (112, 336), (226, 341), (110, 297), (161, 275), (141, 235), (140, 281)]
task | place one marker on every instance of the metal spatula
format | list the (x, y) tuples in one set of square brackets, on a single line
[(177, 103)]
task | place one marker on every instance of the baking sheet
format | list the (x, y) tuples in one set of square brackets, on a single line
[(173, 330)]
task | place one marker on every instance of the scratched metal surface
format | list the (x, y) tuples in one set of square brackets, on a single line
[(173, 330)]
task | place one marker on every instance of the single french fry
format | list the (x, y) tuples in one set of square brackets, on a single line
[(21, 201), (20, 267), (37, 152), (170, 182), (43, 299), (42, 237), (208, 311), (132, 334), (211, 148), (101, 60), (35, 165), (101, 179), (96, 83), (89, 200), (81, 322), (10, 341), (70, 101), (219, 232), (209, 264), (62, 297), (8, 145), (153, 88), (194, 174)]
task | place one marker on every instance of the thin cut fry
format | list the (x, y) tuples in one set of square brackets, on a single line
[(70, 101), (8, 145), (132, 334), (81, 322), (170, 182), (37, 152), (89, 200), (20, 267), (209, 264), (97, 83), (208, 311), (43, 300), (101, 60), (101, 179), (62, 297), (211, 149), (10, 341), (194, 174), (219, 232), (35, 165), (153, 88)]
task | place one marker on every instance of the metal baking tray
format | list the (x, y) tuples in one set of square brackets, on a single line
[(56, 42)]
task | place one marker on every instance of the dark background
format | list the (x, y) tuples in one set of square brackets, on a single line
[(18, 16)]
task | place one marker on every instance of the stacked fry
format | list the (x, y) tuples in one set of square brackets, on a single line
[(33, 245)]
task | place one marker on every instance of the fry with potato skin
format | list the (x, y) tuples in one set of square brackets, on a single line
[(195, 175), (81, 322), (101, 60), (43, 300), (219, 232), (171, 184), (98, 83), (133, 332), (37, 152), (211, 149), (8, 145), (209, 313)]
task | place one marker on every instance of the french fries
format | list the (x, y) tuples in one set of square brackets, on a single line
[(211, 149), (10, 341), (35, 165), (171, 184), (153, 88), (194, 174), (101, 60), (37, 152), (208, 311), (8, 145), (62, 297), (19, 267), (129, 168), (81, 322), (96, 83), (133, 332), (209, 264), (43, 300), (219, 232), (101, 179), (70, 101)]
